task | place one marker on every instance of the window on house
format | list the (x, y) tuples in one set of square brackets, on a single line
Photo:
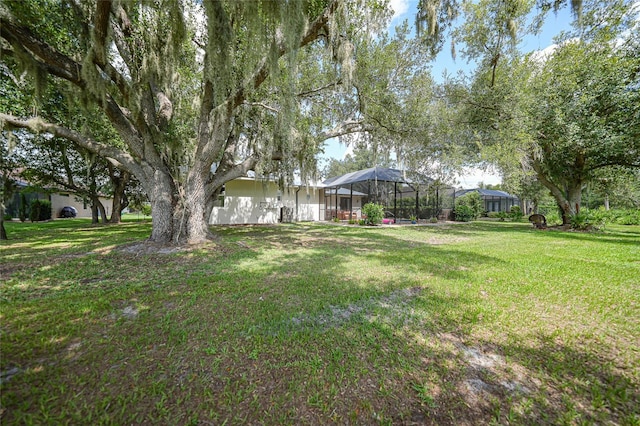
[(220, 201), (345, 203)]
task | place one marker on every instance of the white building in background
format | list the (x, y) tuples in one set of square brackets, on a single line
[(58, 198), (250, 200), (64, 199), (254, 201)]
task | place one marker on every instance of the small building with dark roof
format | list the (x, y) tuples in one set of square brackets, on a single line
[(494, 200)]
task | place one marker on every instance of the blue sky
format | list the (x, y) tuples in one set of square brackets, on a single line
[(406, 9)]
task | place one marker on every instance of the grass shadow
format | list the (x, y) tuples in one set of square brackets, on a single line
[(289, 324)]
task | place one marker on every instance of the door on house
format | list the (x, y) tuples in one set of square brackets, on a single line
[(345, 204)]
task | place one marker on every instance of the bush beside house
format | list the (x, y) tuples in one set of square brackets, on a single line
[(374, 213), (468, 207), (40, 210)]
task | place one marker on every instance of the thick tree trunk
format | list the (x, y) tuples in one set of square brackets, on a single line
[(98, 213), (120, 201), (568, 198), (94, 214), (3, 232), (102, 211), (118, 204), (116, 211), (570, 205), (162, 195), (193, 214), (180, 222)]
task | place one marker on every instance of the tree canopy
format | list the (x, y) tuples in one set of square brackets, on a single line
[(583, 110), (565, 114), (195, 101)]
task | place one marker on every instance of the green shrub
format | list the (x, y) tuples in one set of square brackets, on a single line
[(579, 221), (145, 209), (468, 207), (433, 219), (40, 210), (464, 213), (553, 217), (515, 214), (623, 217), (493, 215), (599, 215), (502, 216), (374, 213), (352, 221), (619, 216), (362, 222), (630, 217), (8, 216)]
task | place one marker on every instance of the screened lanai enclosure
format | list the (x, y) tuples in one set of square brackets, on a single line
[(402, 195)]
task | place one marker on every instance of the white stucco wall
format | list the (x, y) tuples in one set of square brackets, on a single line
[(254, 201), (60, 200)]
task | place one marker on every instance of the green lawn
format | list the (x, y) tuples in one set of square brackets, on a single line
[(314, 324)]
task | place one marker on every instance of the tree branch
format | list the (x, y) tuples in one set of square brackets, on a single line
[(557, 193), (319, 89), (56, 63), (262, 71), (217, 119), (104, 150), (263, 105), (101, 25), (65, 162), (64, 67), (344, 128), (238, 170)]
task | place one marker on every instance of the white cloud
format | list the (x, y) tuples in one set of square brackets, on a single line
[(400, 7), (544, 54), (472, 176)]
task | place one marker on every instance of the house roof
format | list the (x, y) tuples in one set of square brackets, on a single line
[(251, 176), (344, 191), (380, 174), (485, 192)]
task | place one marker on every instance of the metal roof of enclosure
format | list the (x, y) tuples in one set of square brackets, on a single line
[(486, 192), (380, 174), (384, 185)]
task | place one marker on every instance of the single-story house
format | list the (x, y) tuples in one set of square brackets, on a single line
[(494, 200), (58, 199), (63, 199), (249, 200)]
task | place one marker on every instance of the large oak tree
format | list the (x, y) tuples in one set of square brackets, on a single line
[(200, 93), (564, 115), (580, 106)]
